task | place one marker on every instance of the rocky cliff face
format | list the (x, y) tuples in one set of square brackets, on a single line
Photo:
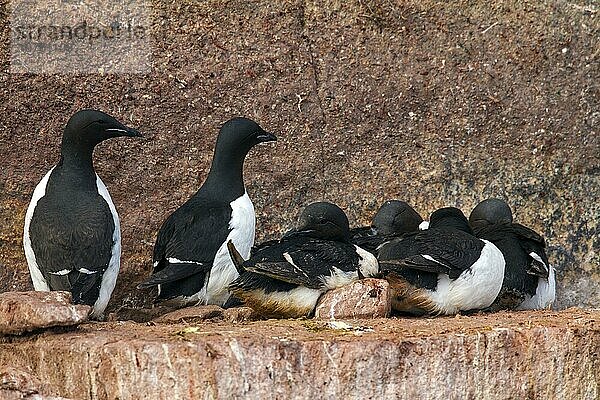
[(433, 103), (526, 355)]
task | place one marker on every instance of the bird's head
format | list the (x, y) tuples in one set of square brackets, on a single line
[(449, 217), (325, 220), (396, 217), (489, 212), (87, 128), (238, 135)]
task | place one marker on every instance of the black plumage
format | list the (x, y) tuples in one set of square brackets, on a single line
[(492, 220), (72, 236), (193, 233), (191, 241), (394, 219), (415, 262), (67, 235), (312, 258), (284, 278)]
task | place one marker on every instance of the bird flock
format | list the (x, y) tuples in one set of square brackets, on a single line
[(205, 251)]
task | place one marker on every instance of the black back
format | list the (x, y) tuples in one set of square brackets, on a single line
[(394, 219), (492, 220), (312, 259), (72, 226), (446, 247), (318, 244)]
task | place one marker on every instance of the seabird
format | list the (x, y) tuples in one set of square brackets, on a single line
[(191, 263), (285, 278), (529, 279), (442, 270), (72, 238)]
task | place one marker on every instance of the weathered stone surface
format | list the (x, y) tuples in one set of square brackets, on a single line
[(191, 315), (197, 314), (20, 385), (139, 314), (437, 103), (240, 314), (518, 355), (28, 311), (366, 298)]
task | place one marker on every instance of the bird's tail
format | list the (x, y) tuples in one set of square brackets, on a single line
[(236, 257), (85, 288), (174, 272)]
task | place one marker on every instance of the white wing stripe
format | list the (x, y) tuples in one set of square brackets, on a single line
[(173, 260), (289, 259), (62, 272)]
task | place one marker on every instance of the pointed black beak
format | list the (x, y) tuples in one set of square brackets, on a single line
[(124, 131), (133, 133), (118, 129), (266, 137)]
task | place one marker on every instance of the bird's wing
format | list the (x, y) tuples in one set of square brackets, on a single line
[(535, 246), (530, 242), (433, 250), (304, 261), (263, 245), (374, 242), (191, 236), (74, 256), (174, 271), (529, 234)]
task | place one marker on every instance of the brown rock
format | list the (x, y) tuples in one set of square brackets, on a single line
[(18, 384), (365, 298), (15, 379), (433, 102), (512, 355), (191, 315), (28, 311), (239, 314), (139, 314)]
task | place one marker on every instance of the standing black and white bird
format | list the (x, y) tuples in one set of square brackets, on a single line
[(444, 269), (529, 279), (191, 261), (393, 219), (72, 238), (285, 278)]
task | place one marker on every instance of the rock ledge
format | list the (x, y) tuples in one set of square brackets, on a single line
[(519, 355)]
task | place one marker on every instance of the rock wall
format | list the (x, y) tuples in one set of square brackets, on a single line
[(431, 102), (526, 355)]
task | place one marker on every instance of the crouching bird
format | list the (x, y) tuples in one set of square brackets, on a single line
[(393, 219), (285, 278), (72, 238), (442, 270), (191, 262), (529, 279)]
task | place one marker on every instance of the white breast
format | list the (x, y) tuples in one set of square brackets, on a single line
[(109, 279), (223, 272), (39, 283), (545, 293), (475, 288)]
